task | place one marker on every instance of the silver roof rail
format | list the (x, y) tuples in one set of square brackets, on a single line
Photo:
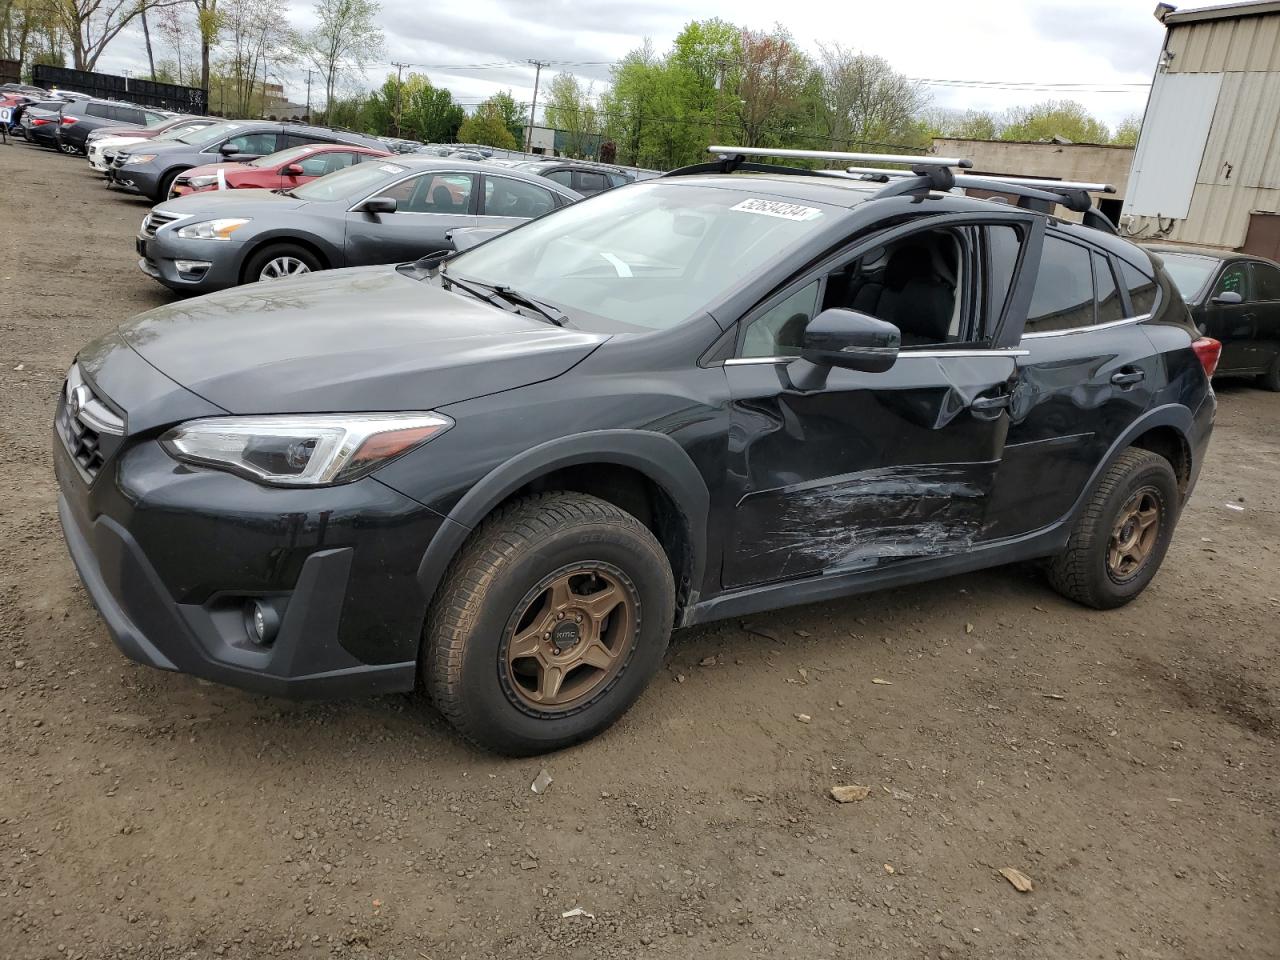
[(908, 159)]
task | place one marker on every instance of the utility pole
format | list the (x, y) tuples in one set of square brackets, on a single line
[(400, 68), (533, 107), (309, 72)]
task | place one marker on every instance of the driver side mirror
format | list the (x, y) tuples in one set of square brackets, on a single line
[(1228, 298), (377, 205), (846, 339), (228, 149), (294, 170)]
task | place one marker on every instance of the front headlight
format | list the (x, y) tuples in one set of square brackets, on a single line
[(202, 181), (139, 158), (302, 450), (211, 229)]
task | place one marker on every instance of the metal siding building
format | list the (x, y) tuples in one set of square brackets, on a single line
[(1207, 167)]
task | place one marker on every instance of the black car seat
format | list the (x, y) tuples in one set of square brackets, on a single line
[(442, 200), (916, 298)]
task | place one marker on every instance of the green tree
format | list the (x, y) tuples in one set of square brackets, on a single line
[(514, 115), (569, 108), (1054, 118), (487, 126), (863, 100), (1127, 131)]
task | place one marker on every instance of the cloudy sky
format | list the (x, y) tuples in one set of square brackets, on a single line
[(1099, 52)]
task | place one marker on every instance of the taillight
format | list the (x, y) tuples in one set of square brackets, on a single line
[(68, 121), (39, 122), (1209, 351)]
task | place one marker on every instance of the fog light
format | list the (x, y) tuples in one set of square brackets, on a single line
[(261, 621), (200, 267)]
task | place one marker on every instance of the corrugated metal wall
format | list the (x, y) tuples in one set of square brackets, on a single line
[(1240, 169)]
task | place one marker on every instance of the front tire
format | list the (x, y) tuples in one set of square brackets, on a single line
[(280, 261), (1120, 539), (549, 624)]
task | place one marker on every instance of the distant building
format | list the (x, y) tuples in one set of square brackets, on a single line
[(1207, 166), (1055, 160), (550, 142)]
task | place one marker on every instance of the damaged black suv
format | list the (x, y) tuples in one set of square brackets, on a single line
[(507, 475)]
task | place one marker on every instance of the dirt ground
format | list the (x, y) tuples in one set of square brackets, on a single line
[(1126, 761)]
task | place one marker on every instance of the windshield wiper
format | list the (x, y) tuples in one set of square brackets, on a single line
[(544, 310), (551, 314)]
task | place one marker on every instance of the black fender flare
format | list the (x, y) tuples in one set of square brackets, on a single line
[(1174, 415), (656, 455)]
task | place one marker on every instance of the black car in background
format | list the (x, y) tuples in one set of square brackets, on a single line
[(579, 176), (507, 475), (80, 117), (1234, 298), (40, 121), (150, 168)]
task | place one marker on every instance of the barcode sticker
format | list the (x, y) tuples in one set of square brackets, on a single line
[(776, 208)]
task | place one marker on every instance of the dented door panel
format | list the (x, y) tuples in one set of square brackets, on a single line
[(874, 468), (1076, 393)]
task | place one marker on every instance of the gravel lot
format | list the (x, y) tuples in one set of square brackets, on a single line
[(1126, 762)]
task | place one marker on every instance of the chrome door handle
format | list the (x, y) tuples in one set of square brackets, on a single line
[(1128, 378)]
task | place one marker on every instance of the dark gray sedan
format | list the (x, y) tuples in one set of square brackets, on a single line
[(380, 211)]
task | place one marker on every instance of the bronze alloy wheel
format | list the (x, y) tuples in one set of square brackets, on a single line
[(1135, 534), (571, 636)]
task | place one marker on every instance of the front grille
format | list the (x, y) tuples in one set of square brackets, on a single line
[(155, 220), (88, 427)]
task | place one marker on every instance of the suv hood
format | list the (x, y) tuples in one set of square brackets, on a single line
[(347, 341)]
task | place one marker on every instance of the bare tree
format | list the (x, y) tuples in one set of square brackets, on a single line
[(209, 22), (864, 100), (345, 38), (92, 24), (771, 81), (254, 36)]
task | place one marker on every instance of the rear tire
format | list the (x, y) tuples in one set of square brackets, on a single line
[(279, 261), (1113, 552), (1271, 379), (499, 597)]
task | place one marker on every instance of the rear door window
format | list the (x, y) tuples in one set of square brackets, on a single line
[(562, 177), (1063, 298), (588, 183), (98, 110), (127, 115), (504, 197), (297, 139), (1266, 281)]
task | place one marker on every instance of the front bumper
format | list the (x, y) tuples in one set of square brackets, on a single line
[(136, 178), (162, 256), (170, 555)]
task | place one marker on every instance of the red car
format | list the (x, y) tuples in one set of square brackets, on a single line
[(277, 171)]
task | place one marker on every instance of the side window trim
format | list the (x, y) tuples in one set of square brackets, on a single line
[(1044, 334)]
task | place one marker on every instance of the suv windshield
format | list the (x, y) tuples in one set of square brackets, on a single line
[(207, 135), (343, 183), (651, 256), (284, 156), (1189, 272)]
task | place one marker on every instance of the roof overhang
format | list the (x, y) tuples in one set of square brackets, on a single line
[(1227, 11)]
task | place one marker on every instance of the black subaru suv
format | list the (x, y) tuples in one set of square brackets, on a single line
[(507, 475)]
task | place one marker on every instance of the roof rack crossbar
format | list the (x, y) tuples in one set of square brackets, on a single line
[(1036, 183), (736, 163), (905, 159)]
